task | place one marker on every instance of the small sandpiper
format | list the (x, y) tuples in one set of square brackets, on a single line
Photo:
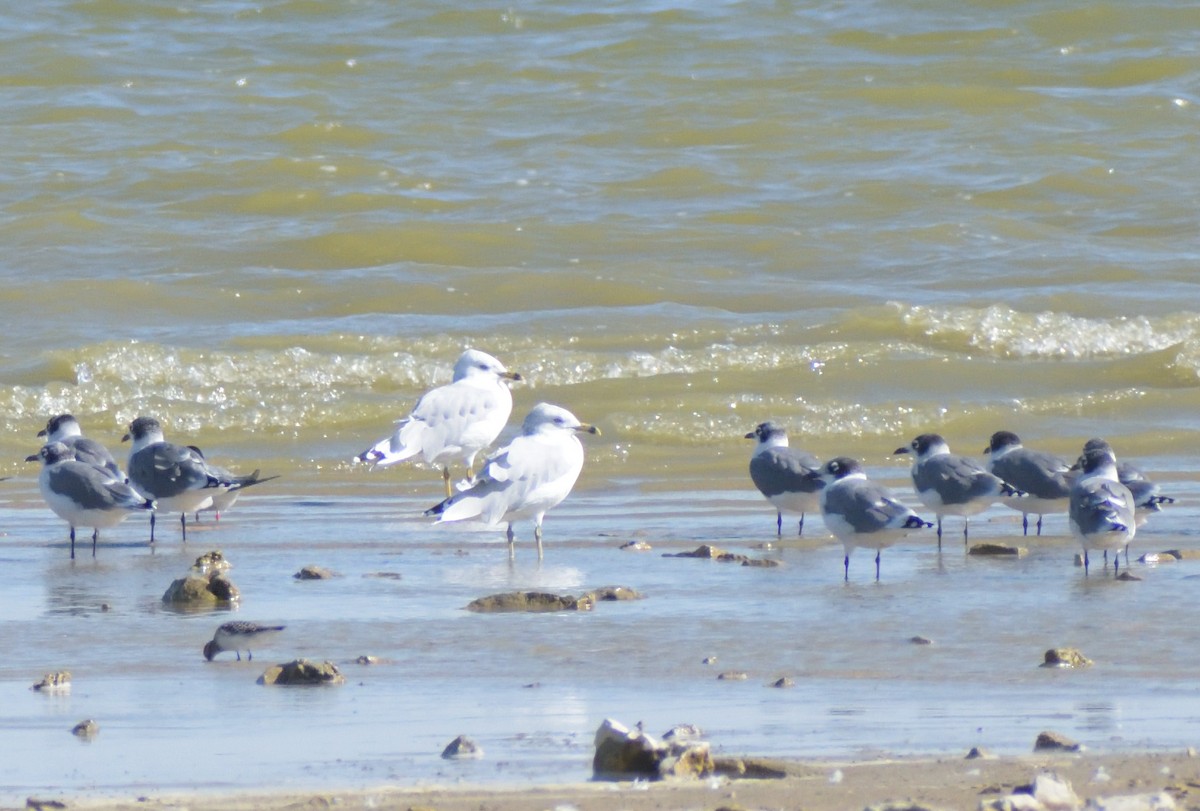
[(238, 636)]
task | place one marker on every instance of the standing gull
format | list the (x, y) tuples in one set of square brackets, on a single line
[(527, 478), (238, 636), (784, 475), (84, 495), (65, 428), (175, 476), (1147, 497), (1102, 510), (1041, 476), (950, 484), (860, 512), (457, 420)]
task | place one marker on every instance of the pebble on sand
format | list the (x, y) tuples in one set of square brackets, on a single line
[(56, 682), (529, 601), (998, 550), (1065, 657), (199, 591), (314, 573), (1055, 742), (462, 748), (214, 561), (302, 672), (622, 753)]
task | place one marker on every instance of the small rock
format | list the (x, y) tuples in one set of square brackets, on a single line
[(1065, 657), (367, 659), (223, 589), (636, 546), (1054, 793), (920, 640), (683, 732), (1055, 742), (1161, 801), (612, 594), (1157, 557), (1013, 802), (57, 682), (979, 753), (1128, 575), (462, 748), (41, 805), (902, 805), (710, 553), (702, 551), (998, 550), (529, 601), (762, 563), (783, 683), (750, 768), (214, 561), (621, 752), (1184, 554), (199, 591), (733, 675), (384, 575), (85, 729), (708, 660), (314, 573), (302, 672), (692, 759)]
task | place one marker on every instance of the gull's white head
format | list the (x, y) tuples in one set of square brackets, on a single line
[(925, 447), (143, 431), (61, 427), (473, 362), (51, 453), (547, 418)]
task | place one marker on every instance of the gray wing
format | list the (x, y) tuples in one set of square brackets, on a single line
[(92, 488), (1041, 475), (864, 505), (1147, 495), (91, 452), (164, 470), (957, 479), (1128, 472), (783, 470), (1100, 505)]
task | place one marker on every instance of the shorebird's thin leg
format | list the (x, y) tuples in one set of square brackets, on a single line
[(511, 548), (876, 565), (537, 534), (779, 524), (801, 532), (446, 479), (95, 538), (72, 543), (1039, 525), (846, 566), (152, 527), (183, 525)]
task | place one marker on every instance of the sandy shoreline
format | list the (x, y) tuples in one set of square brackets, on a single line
[(950, 783)]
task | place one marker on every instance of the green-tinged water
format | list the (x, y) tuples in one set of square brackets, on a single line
[(274, 225)]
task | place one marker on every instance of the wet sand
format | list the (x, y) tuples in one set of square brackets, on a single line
[(812, 785)]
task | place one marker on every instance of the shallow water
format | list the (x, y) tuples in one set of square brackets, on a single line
[(273, 225), (531, 689)]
